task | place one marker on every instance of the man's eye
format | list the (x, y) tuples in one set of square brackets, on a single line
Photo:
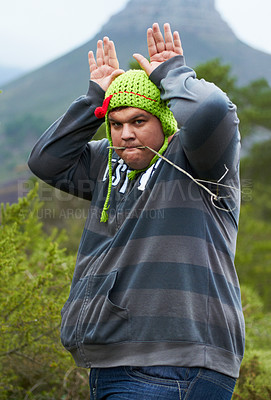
[(139, 121), (115, 124)]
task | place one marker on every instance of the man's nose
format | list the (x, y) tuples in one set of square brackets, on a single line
[(127, 132)]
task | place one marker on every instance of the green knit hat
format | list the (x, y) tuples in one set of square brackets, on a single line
[(134, 89)]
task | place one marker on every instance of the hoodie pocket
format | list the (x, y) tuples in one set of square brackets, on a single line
[(71, 312), (104, 321), (90, 316)]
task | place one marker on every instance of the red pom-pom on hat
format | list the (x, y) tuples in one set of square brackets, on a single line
[(101, 111)]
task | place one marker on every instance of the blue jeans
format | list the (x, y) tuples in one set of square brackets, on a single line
[(159, 383)]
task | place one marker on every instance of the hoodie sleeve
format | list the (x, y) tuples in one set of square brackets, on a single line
[(63, 156), (207, 119)]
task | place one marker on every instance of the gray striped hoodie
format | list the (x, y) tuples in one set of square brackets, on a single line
[(156, 284)]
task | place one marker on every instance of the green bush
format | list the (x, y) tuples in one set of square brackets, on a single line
[(35, 276), (254, 381), (253, 259)]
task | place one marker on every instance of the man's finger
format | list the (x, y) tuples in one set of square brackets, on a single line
[(168, 38), (91, 61), (112, 60), (158, 37), (177, 43), (116, 73), (100, 54), (151, 43), (143, 62), (106, 50)]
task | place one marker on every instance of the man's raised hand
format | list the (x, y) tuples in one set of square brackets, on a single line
[(160, 48), (105, 68)]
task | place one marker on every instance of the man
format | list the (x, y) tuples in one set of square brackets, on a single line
[(154, 308)]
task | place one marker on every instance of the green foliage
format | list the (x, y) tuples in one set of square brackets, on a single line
[(257, 165), (214, 71), (253, 260), (258, 322), (35, 276), (253, 101), (254, 381), (133, 64)]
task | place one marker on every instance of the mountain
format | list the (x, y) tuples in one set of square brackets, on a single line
[(8, 74), (29, 104)]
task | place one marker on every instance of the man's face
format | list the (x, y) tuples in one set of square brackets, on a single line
[(131, 128)]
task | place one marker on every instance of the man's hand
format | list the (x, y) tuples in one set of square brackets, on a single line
[(106, 67), (160, 49)]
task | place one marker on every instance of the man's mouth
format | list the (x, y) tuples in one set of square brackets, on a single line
[(126, 147)]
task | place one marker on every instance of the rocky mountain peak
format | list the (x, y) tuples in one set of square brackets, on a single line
[(184, 15)]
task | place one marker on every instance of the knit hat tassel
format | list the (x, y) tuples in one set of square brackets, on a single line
[(104, 216), (101, 111)]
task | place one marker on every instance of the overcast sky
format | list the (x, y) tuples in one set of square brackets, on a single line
[(34, 32)]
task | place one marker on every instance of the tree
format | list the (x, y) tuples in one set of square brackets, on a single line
[(214, 71), (253, 101)]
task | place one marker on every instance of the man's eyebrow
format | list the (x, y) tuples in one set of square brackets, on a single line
[(111, 119)]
